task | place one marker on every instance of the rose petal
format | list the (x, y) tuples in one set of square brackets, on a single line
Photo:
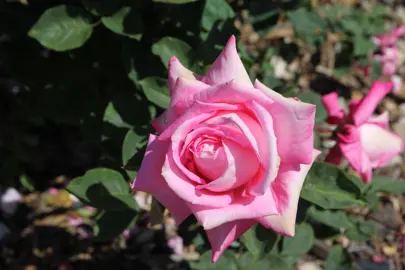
[(351, 147), (177, 70), (379, 144), (185, 189), (398, 31), (200, 110), (335, 112), (235, 174), (291, 117), (241, 208), (181, 98), (382, 120), (232, 93), (368, 104), (287, 188), (270, 146), (211, 163), (228, 66), (150, 180), (222, 236), (248, 127)]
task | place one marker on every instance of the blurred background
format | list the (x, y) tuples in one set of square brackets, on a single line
[(81, 80)]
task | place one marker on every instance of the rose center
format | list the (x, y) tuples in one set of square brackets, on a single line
[(209, 157)]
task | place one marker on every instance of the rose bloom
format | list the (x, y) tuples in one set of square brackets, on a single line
[(231, 153), (365, 140)]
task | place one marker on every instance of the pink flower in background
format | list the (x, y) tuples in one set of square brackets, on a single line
[(389, 53), (365, 140), (389, 40), (176, 244), (229, 152)]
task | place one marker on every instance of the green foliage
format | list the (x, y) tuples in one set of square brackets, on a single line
[(259, 241), (215, 10), (104, 189), (332, 218), (126, 21), (361, 229), (338, 259), (308, 25), (168, 47), (62, 28), (156, 91), (387, 185), (300, 243), (330, 188)]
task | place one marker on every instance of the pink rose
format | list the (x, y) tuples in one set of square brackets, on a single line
[(230, 153), (388, 40), (365, 140), (389, 51)]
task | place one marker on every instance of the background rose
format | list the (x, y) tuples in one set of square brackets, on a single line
[(230, 153), (365, 140)]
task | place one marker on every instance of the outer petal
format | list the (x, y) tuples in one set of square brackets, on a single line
[(149, 179), (398, 31), (198, 111), (228, 66), (177, 70), (382, 120), (351, 147), (379, 144), (389, 68), (367, 106), (335, 112), (287, 188), (222, 236), (181, 98), (241, 208), (290, 118), (272, 160)]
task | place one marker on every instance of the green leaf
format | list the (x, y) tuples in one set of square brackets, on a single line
[(338, 259), (127, 21), (334, 219), (25, 182), (168, 47), (272, 262), (226, 261), (362, 46), (259, 241), (315, 98), (335, 13), (387, 185), (300, 243), (112, 116), (175, 1), (308, 25), (330, 188), (351, 25), (361, 230), (156, 90), (104, 189), (376, 70), (62, 28), (110, 224), (215, 10), (131, 145)]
